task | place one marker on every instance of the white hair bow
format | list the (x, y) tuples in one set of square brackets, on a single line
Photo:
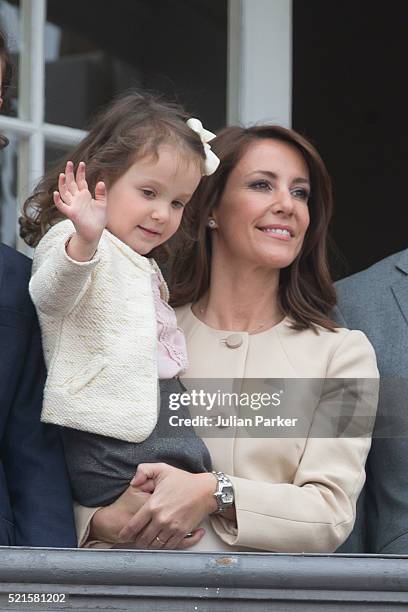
[(211, 160)]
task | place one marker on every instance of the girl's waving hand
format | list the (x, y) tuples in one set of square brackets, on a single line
[(88, 214)]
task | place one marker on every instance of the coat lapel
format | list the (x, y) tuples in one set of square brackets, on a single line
[(400, 288)]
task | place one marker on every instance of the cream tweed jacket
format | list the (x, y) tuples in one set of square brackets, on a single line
[(99, 335)]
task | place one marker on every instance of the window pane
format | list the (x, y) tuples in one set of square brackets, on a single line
[(96, 50), (8, 191), (10, 25)]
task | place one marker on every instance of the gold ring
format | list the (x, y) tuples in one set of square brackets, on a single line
[(159, 540)]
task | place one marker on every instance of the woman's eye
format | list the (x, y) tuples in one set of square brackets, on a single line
[(301, 194), (149, 193), (260, 185), (177, 204)]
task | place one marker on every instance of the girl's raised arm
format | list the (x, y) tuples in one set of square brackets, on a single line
[(65, 257)]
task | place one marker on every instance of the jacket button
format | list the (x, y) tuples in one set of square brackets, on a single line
[(233, 341)]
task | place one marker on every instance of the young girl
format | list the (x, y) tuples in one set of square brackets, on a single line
[(108, 331)]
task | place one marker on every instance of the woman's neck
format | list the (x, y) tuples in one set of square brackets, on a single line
[(240, 298)]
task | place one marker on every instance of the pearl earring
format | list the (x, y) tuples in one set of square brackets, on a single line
[(212, 224)]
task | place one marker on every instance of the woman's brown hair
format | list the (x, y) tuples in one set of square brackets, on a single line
[(306, 291), (131, 127)]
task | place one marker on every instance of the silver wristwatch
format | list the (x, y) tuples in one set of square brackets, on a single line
[(224, 494)]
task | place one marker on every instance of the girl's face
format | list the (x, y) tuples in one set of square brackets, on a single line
[(145, 205), (263, 214)]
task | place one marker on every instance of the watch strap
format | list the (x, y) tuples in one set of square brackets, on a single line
[(224, 495)]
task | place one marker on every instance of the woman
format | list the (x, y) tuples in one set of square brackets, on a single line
[(254, 294)]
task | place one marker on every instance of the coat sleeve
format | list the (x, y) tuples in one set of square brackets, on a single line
[(83, 518), (33, 458), (58, 282), (316, 511)]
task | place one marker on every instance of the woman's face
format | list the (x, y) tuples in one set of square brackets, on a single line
[(263, 214)]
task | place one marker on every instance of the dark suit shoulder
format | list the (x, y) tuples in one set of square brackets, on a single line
[(15, 261), (15, 270)]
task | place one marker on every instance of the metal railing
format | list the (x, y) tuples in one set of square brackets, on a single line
[(157, 581)]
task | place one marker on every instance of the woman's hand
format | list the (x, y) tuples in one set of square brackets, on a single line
[(88, 214), (107, 522), (179, 502)]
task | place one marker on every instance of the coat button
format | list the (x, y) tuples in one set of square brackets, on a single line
[(233, 341)]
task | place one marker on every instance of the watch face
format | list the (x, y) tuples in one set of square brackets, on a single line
[(227, 498), (227, 495)]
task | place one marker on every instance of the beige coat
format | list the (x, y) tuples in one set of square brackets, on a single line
[(291, 494)]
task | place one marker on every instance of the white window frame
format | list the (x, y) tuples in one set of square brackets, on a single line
[(29, 128), (259, 87)]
